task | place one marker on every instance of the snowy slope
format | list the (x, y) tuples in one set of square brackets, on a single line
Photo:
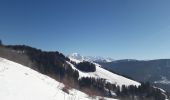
[(102, 73), (18, 82)]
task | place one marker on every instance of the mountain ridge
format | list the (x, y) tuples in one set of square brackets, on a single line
[(155, 71), (90, 58)]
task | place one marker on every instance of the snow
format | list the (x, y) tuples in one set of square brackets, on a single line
[(163, 80), (109, 76), (76, 56), (79, 57), (18, 82), (102, 73), (75, 60)]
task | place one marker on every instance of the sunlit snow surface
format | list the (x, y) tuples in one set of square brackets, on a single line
[(18, 82), (102, 73)]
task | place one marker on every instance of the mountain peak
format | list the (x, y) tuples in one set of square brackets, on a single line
[(76, 56), (79, 57)]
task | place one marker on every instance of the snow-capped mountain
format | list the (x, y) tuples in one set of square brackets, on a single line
[(18, 82), (90, 58), (110, 77), (101, 72), (76, 56)]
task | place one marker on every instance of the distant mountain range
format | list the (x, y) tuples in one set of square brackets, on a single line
[(90, 58), (154, 71)]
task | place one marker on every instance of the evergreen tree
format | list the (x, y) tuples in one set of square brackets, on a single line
[(86, 66)]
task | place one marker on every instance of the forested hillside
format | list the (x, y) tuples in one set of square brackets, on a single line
[(54, 64)]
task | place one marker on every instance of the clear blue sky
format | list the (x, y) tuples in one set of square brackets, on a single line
[(120, 29)]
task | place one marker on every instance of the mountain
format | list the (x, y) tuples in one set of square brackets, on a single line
[(76, 56), (104, 74), (155, 71), (86, 78), (90, 58)]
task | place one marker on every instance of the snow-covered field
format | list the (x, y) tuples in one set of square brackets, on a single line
[(18, 82), (102, 73)]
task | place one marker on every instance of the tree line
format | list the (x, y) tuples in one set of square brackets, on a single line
[(143, 92)]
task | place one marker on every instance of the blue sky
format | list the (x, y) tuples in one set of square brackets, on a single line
[(134, 29)]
